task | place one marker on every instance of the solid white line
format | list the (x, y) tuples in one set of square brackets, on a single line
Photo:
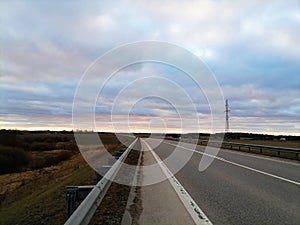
[(237, 164), (191, 206)]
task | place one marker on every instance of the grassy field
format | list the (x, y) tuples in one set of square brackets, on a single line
[(265, 140), (40, 197), (276, 143), (37, 196)]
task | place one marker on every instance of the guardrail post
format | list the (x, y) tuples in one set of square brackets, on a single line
[(71, 200), (74, 194)]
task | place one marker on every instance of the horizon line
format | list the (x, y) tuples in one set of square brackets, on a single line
[(144, 132)]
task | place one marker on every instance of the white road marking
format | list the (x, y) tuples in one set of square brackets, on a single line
[(191, 206), (240, 165)]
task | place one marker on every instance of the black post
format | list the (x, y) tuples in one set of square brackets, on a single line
[(71, 200)]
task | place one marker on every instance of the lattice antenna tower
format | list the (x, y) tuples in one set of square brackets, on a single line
[(227, 110)]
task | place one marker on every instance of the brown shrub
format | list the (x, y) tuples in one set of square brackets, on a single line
[(51, 159), (12, 159)]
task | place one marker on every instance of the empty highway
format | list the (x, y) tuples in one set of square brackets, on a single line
[(239, 188)]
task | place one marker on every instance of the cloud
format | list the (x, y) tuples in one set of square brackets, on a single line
[(252, 48), (249, 100)]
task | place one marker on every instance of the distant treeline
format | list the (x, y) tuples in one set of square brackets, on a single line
[(236, 136), (261, 136), (15, 148), (233, 135)]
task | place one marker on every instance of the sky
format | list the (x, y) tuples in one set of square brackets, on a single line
[(252, 48)]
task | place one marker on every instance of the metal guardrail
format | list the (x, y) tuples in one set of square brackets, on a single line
[(238, 146), (75, 194), (85, 211)]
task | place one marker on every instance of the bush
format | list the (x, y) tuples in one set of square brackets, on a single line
[(67, 146), (42, 146), (43, 142), (9, 139), (12, 159), (52, 159)]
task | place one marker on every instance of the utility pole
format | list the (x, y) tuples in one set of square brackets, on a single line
[(227, 116)]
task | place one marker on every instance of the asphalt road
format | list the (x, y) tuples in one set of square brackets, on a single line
[(241, 188)]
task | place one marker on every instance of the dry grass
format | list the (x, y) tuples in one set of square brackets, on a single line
[(38, 196), (41, 159), (276, 143), (35, 197)]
